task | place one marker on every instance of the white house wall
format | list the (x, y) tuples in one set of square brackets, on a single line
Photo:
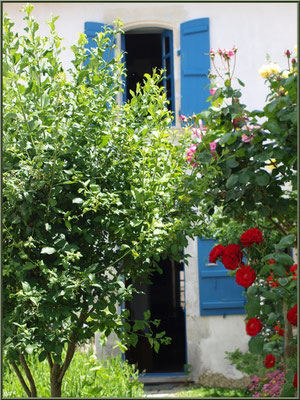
[(256, 29)]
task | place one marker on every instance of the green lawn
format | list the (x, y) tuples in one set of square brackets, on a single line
[(202, 391)]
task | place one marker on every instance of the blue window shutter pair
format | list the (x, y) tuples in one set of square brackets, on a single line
[(219, 292), (195, 65)]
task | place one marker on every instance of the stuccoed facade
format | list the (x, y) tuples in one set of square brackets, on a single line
[(256, 29)]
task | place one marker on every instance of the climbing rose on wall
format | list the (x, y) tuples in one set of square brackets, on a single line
[(216, 252), (292, 315), (245, 276), (251, 236), (232, 256), (270, 361), (253, 326)]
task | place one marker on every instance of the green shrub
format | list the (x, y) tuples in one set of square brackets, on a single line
[(87, 377)]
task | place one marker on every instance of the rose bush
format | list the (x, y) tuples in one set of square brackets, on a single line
[(256, 154)]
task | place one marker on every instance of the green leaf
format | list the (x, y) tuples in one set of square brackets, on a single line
[(224, 138), (68, 225), (77, 200), (10, 115), (232, 180), (42, 356), (147, 314), (241, 83), (232, 163), (278, 270), (133, 339), (28, 266), (156, 346), (284, 259), (262, 178), (256, 345), (285, 242), (252, 307), (48, 250), (29, 349), (138, 325)]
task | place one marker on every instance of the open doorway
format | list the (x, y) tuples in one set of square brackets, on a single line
[(165, 299), (146, 49)]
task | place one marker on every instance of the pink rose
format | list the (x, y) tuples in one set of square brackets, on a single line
[(246, 138), (183, 118), (213, 146), (196, 133), (213, 91), (191, 153), (230, 53)]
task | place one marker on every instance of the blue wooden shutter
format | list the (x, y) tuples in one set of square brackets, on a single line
[(195, 65), (91, 29), (219, 293), (167, 63)]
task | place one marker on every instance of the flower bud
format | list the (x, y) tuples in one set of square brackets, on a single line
[(288, 53), (293, 61)]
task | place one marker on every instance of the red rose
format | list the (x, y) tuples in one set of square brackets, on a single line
[(270, 361), (245, 276), (251, 236), (271, 281), (232, 256), (292, 315), (293, 268), (281, 332), (253, 326), (216, 252), (295, 381), (271, 261)]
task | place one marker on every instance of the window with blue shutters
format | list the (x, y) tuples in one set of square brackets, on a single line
[(219, 293), (195, 65)]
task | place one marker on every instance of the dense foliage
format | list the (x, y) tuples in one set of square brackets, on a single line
[(94, 193), (256, 191)]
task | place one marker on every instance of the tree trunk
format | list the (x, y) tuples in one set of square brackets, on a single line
[(54, 380)]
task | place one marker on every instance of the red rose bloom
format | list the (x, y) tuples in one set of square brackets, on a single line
[(253, 326), (271, 281), (292, 315), (251, 236), (295, 381), (216, 252), (245, 276), (271, 261), (280, 330), (270, 361), (232, 256), (293, 268)]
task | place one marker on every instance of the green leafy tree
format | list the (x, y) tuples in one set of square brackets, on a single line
[(94, 193)]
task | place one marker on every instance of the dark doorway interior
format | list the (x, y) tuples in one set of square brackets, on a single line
[(144, 52), (165, 299)]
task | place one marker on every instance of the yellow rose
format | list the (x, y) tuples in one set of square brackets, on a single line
[(267, 70), (285, 74), (272, 164)]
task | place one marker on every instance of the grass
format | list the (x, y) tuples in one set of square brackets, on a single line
[(86, 377), (202, 391)]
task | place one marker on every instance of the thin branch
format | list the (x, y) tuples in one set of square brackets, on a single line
[(50, 362), (28, 374), (21, 379)]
